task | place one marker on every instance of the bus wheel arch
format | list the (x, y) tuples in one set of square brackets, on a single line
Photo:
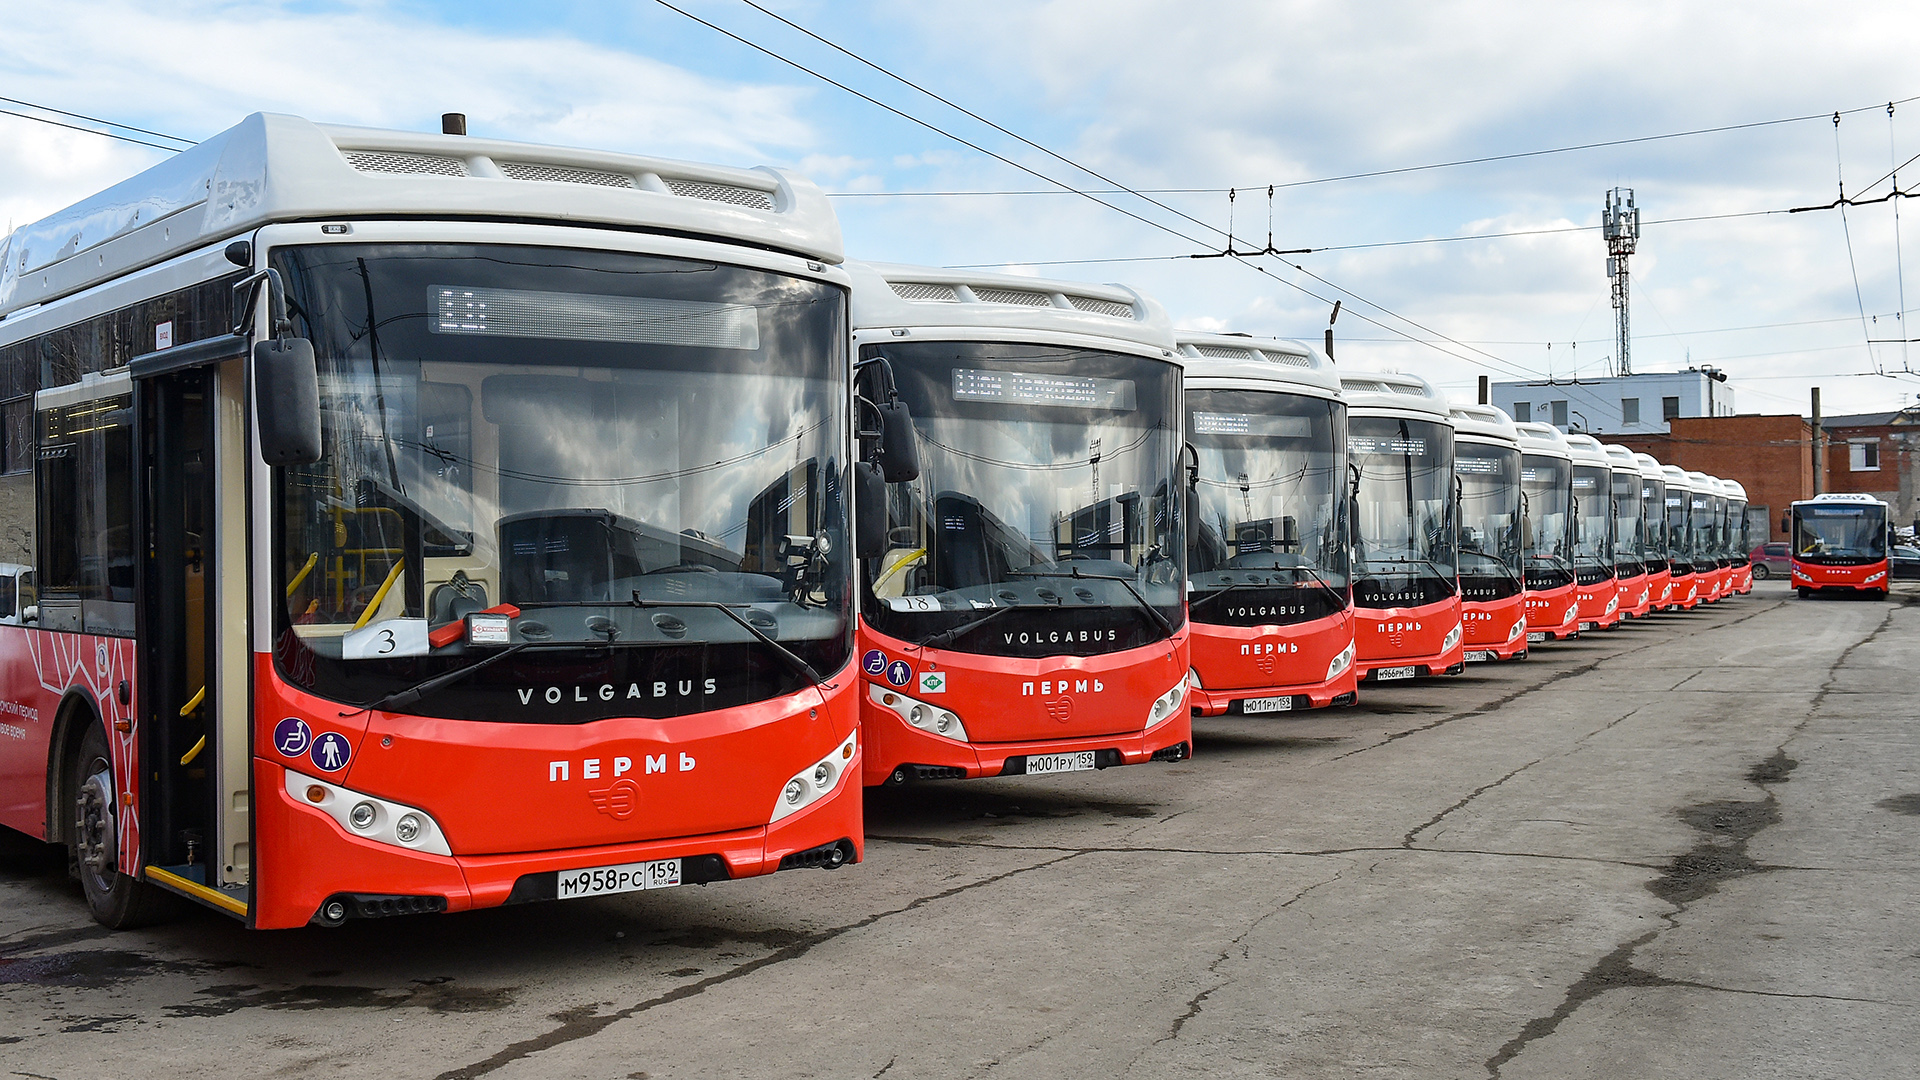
[(89, 811)]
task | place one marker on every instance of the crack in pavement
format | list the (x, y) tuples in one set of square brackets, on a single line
[(576, 1027), (1306, 853), (1407, 840), (1692, 876)]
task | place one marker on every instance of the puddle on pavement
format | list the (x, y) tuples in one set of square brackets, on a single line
[(1902, 804), (1727, 826), (433, 995), (90, 969)]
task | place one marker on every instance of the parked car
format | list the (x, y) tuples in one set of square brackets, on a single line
[(1906, 563), (1771, 559)]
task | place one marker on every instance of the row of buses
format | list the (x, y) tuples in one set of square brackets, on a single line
[(395, 524)]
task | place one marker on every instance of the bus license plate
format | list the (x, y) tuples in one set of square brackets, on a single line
[(626, 877), (1043, 764), (1385, 673), (1479, 656), (1267, 704), (1535, 637)]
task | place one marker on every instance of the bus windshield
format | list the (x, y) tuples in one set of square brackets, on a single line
[(1045, 500), (1272, 507), (1629, 537), (1404, 528), (1737, 540), (1593, 525), (1840, 535), (1548, 486), (1679, 531), (1705, 523), (1653, 501), (644, 456), (1490, 567)]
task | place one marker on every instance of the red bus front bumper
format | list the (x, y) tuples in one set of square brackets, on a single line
[(1495, 629), (1554, 614), (1300, 663), (1014, 707), (1599, 605), (1636, 596), (1867, 577), (1419, 641)]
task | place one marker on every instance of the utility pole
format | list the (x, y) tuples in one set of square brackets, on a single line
[(1819, 447), (1620, 224)]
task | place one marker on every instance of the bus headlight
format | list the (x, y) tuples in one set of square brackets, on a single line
[(1167, 705), (1341, 662), (1613, 603), (370, 818), (1519, 627), (1871, 578), (1453, 638), (932, 719), (1193, 679), (815, 782)]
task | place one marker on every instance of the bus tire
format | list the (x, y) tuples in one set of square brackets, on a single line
[(1805, 594), (116, 900)]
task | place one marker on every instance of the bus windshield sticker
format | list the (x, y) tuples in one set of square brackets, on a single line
[(1274, 427), (568, 316), (389, 637), (1479, 466), (1366, 444), (1030, 388)]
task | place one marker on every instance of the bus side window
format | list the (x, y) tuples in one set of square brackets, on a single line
[(9, 596)]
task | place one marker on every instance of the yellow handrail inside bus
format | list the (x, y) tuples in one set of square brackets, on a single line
[(195, 752), (313, 560), (899, 566), (374, 605), (199, 696)]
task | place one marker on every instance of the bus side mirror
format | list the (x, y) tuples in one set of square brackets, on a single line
[(286, 398), (869, 511), (899, 453)]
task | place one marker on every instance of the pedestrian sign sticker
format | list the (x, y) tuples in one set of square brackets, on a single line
[(933, 682), (292, 736), (898, 673), (874, 663), (330, 752)]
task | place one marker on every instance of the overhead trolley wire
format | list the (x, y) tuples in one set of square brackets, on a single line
[(94, 120), (1065, 186)]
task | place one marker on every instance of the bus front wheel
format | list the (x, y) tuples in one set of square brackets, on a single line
[(1805, 593), (117, 901)]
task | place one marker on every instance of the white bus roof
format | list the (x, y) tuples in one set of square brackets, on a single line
[(1484, 423), (271, 168), (1841, 498), (970, 305), (1678, 479), (1298, 367), (1586, 450), (1650, 467), (1393, 393), (1735, 489), (1542, 440), (1703, 483)]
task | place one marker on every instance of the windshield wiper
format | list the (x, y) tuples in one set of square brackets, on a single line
[(1429, 564), (1506, 571), (413, 694), (792, 659), (1074, 572), (948, 637)]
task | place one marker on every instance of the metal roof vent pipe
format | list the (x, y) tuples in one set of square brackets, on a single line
[(453, 123)]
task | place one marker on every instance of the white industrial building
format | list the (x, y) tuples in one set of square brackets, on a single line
[(1639, 404)]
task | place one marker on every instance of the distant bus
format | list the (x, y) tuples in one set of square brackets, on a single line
[(1406, 583), (1708, 520), (1839, 544), (1683, 562), (1594, 523), (1738, 548), (1270, 601), (1546, 508), (1653, 509), (1629, 534), (1486, 459)]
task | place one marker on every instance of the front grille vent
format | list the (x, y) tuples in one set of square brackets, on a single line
[(1021, 297), (724, 193), (560, 174), (1289, 359), (416, 164), (1224, 352), (925, 292), (1101, 307)]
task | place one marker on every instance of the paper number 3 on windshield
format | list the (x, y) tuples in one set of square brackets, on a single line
[(391, 637)]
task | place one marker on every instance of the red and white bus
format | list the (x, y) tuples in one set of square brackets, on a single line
[(1653, 529), (1683, 562), (1025, 614), (1593, 528), (1268, 602), (497, 555), (1406, 584), (1708, 520), (1738, 548), (1629, 534), (1839, 544), (1493, 590), (1546, 492)]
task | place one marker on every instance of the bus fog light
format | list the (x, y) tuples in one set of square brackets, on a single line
[(815, 783), (923, 717), (407, 829), (370, 818)]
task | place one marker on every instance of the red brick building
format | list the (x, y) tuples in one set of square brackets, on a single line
[(1770, 456), (1874, 453)]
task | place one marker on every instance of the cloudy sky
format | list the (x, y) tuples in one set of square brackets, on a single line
[(1183, 100)]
